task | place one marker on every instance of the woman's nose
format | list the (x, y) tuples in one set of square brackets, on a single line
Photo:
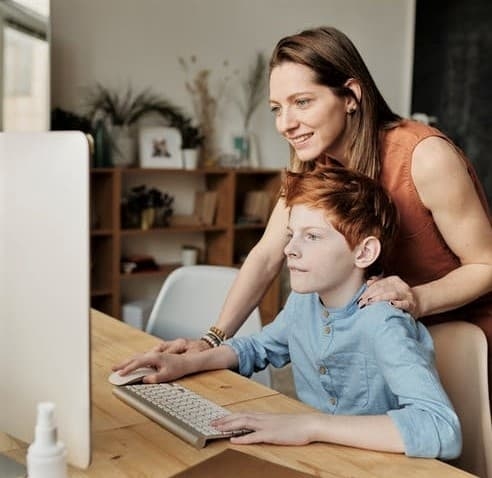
[(286, 121)]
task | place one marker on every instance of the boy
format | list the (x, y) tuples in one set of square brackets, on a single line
[(369, 371)]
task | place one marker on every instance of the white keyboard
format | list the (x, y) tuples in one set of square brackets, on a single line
[(178, 409)]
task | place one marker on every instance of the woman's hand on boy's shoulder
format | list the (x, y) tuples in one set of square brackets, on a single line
[(393, 290)]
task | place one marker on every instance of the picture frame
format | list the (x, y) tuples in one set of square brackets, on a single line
[(160, 147)]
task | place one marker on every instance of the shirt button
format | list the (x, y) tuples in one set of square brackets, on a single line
[(326, 313), (322, 370), (327, 329), (333, 400)]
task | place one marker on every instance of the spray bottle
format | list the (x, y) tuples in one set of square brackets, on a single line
[(46, 456)]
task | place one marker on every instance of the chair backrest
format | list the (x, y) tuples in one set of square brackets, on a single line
[(190, 300), (461, 360)]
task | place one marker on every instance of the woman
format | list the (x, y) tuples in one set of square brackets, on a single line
[(327, 106)]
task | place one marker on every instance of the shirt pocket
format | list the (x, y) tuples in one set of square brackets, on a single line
[(347, 373)]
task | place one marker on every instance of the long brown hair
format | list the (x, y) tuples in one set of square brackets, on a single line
[(334, 60)]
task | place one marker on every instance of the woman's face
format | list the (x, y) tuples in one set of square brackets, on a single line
[(310, 116)]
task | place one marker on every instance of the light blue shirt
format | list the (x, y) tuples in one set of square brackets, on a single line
[(351, 361)]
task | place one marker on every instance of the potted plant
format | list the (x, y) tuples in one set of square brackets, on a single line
[(120, 111), (192, 138), (146, 208)]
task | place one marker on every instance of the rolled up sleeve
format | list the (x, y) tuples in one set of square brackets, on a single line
[(425, 418), (270, 346)]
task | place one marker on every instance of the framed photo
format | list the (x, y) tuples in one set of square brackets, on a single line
[(160, 147)]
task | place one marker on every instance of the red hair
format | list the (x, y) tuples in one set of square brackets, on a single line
[(356, 205)]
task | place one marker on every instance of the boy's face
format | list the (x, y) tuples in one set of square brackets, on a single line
[(319, 258)]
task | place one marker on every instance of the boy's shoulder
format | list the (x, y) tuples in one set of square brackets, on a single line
[(383, 315)]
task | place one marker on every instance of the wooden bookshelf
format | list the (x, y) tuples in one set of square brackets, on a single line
[(227, 241)]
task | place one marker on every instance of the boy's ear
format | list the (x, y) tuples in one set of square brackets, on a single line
[(367, 252)]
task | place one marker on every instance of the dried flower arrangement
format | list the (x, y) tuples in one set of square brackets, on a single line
[(205, 105), (253, 89)]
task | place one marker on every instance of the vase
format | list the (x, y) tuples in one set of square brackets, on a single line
[(123, 146), (190, 158), (148, 218), (246, 147)]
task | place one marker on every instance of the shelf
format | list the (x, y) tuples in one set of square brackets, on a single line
[(164, 269), (170, 229), (251, 225), (101, 232), (225, 243), (101, 292), (174, 171)]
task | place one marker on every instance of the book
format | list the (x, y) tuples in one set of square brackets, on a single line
[(206, 207), (232, 463)]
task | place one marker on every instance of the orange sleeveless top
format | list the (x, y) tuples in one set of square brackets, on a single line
[(420, 254)]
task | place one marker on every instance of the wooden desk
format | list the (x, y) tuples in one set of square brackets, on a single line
[(127, 444)]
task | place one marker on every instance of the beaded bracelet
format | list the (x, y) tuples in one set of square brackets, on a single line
[(214, 337), (219, 333), (208, 341)]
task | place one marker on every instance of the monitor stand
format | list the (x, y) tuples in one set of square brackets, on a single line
[(10, 468)]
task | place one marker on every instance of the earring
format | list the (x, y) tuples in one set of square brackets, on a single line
[(351, 111)]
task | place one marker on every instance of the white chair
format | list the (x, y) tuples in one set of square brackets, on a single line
[(190, 301), (461, 360)]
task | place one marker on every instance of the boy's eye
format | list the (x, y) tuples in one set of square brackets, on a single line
[(275, 109), (311, 236)]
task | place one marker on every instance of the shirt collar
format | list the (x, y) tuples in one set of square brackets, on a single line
[(346, 310)]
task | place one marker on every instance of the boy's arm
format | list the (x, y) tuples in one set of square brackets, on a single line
[(172, 366), (425, 417), (369, 432)]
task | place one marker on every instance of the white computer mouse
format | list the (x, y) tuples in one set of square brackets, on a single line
[(136, 376)]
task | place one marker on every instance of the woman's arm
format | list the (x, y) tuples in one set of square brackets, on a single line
[(261, 266), (446, 189)]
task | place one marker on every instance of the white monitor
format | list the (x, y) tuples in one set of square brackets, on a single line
[(44, 286)]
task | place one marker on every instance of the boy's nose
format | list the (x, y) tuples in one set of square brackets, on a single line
[(290, 250)]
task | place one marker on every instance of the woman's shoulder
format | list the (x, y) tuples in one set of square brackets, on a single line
[(409, 132)]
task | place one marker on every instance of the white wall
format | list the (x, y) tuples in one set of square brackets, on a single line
[(137, 42)]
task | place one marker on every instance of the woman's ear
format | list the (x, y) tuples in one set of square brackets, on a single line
[(353, 100), (367, 252)]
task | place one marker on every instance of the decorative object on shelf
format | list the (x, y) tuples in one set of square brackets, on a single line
[(192, 140), (138, 263), (189, 255), (102, 146), (205, 106), (257, 207), (190, 158), (253, 88), (160, 147), (121, 111), (146, 208), (204, 211)]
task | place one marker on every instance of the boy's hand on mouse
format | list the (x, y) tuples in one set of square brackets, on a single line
[(276, 428), (168, 366)]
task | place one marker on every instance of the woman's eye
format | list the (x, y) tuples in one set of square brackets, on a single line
[(312, 237), (302, 102), (275, 110)]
